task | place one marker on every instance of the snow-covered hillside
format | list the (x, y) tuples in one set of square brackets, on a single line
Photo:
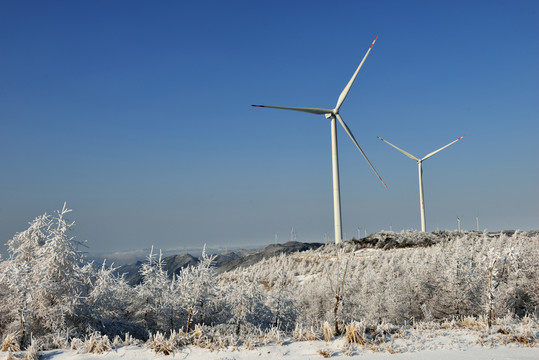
[(391, 292)]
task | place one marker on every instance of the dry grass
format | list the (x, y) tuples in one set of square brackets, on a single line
[(355, 335), (267, 285), (98, 344), (130, 340), (471, 323), (249, 345), (325, 353), (95, 344), (117, 341), (301, 334), (524, 340), (10, 343), (31, 353), (389, 349), (76, 344), (328, 333), (198, 332), (272, 335), (160, 344)]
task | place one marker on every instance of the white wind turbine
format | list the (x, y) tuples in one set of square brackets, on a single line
[(419, 162), (333, 114)]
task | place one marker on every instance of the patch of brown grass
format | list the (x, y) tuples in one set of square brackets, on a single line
[(98, 344), (161, 345), (354, 335), (328, 333), (471, 323), (10, 343), (31, 353), (325, 353), (524, 340)]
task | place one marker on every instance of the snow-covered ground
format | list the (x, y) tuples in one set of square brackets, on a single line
[(419, 345), (301, 351)]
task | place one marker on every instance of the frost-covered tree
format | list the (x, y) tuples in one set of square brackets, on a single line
[(16, 298), (280, 298), (45, 276), (457, 279), (107, 300), (521, 295), (46, 286), (338, 285), (19, 276), (146, 307), (244, 300), (195, 289), (62, 275)]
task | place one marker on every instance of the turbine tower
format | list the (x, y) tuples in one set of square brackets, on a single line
[(333, 115), (420, 170)]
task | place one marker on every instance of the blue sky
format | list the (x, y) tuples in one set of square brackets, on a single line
[(138, 115)]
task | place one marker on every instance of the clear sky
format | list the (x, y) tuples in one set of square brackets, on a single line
[(137, 114)]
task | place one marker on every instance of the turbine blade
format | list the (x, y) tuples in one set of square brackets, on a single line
[(440, 149), (307, 110), (344, 93), (398, 148), (359, 147)]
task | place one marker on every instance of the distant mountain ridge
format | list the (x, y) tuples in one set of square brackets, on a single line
[(223, 262), (231, 260)]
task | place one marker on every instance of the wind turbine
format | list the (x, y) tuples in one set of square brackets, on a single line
[(334, 115), (420, 170)]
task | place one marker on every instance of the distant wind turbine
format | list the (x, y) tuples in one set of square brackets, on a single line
[(420, 170), (333, 114)]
